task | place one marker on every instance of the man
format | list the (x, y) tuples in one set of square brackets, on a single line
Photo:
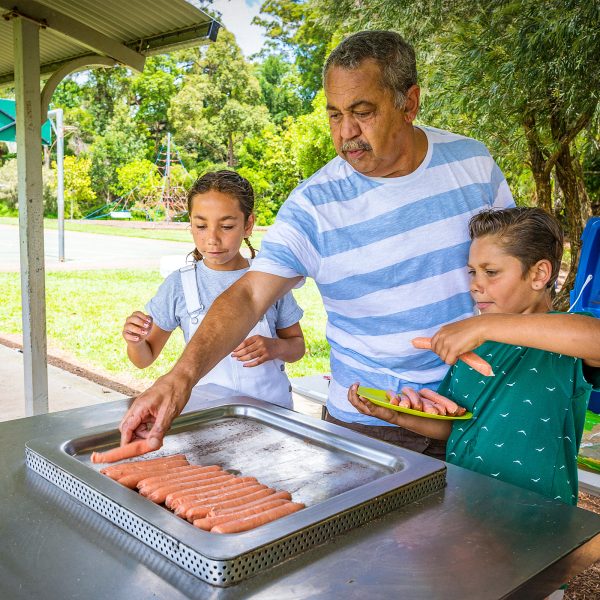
[(382, 229)]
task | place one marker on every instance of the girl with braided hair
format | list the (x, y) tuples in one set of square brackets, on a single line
[(220, 206)]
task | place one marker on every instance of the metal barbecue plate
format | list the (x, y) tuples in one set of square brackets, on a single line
[(345, 480)]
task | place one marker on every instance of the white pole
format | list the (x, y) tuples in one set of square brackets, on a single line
[(60, 177), (168, 176), (31, 214)]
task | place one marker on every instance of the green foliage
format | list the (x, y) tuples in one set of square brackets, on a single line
[(79, 196), (280, 85), (295, 26), (311, 139), (218, 104), (120, 144), (9, 194), (141, 176), (268, 162), (152, 92)]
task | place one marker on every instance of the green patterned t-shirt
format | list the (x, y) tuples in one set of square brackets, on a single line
[(527, 420)]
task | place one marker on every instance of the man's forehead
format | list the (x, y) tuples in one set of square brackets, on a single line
[(354, 86)]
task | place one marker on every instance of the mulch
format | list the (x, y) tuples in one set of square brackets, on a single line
[(586, 585)]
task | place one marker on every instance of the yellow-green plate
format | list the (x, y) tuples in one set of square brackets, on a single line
[(378, 397)]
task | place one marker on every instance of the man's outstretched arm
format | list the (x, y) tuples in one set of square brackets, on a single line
[(226, 324)]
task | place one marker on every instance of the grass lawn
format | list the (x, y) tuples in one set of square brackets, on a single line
[(85, 312)]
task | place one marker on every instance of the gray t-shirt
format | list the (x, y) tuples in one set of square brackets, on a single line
[(168, 308)]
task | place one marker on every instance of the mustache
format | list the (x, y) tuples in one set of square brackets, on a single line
[(355, 145)]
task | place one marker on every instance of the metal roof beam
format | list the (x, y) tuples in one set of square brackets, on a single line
[(75, 30), (181, 38)]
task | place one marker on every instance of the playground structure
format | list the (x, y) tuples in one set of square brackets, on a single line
[(162, 201)]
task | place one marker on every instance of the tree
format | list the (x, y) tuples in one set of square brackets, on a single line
[(279, 85), (267, 160), (79, 196), (120, 144), (294, 26), (152, 92), (312, 144), (218, 104)]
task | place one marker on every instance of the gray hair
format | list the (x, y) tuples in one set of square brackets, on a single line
[(395, 57)]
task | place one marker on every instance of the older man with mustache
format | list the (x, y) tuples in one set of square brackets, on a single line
[(382, 229)]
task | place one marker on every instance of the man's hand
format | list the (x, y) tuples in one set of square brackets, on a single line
[(256, 350), (152, 412)]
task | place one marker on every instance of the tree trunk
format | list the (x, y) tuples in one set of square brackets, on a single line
[(230, 157), (577, 207), (537, 162)]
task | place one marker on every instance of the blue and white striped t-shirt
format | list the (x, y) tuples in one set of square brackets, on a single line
[(389, 258)]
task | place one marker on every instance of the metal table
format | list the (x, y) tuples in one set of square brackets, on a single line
[(478, 538)]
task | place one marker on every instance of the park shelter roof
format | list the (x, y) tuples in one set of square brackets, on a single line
[(112, 28)]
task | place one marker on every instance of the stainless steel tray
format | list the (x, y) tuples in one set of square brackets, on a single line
[(345, 480)]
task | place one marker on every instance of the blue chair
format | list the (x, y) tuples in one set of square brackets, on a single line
[(585, 295)]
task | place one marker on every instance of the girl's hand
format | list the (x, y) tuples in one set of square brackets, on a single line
[(256, 350), (460, 337), (137, 327), (366, 407)]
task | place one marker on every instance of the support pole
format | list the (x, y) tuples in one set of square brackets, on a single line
[(31, 214), (57, 113)]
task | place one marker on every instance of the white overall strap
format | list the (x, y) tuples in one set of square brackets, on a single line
[(193, 303)]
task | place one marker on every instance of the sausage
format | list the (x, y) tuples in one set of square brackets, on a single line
[(130, 450), (202, 486), (188, 500), (217, 511), (201, 510), (144, 463), (404, 401), (208, 522), (470, 358), (429, 407), (193, 478), (254, 521), (133, 478), (172, 475), (414, 398), (222, 494), (118, 473), (451, 407), (159, 494)]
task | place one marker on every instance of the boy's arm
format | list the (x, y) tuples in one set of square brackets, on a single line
[(437, 429), (570, 334)]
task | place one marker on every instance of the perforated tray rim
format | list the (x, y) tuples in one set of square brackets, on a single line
[(224, 573)]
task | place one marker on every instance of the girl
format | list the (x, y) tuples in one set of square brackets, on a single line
[(220, 207), (528, 419)]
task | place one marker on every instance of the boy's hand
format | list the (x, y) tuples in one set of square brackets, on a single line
[(256, 350), (137, 327), (365, 407), (457, 338)]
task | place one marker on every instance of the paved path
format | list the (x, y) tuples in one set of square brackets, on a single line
[(91, 251)]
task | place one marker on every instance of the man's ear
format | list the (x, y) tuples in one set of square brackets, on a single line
[(540, 274), (249, 226), (411, 106)]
